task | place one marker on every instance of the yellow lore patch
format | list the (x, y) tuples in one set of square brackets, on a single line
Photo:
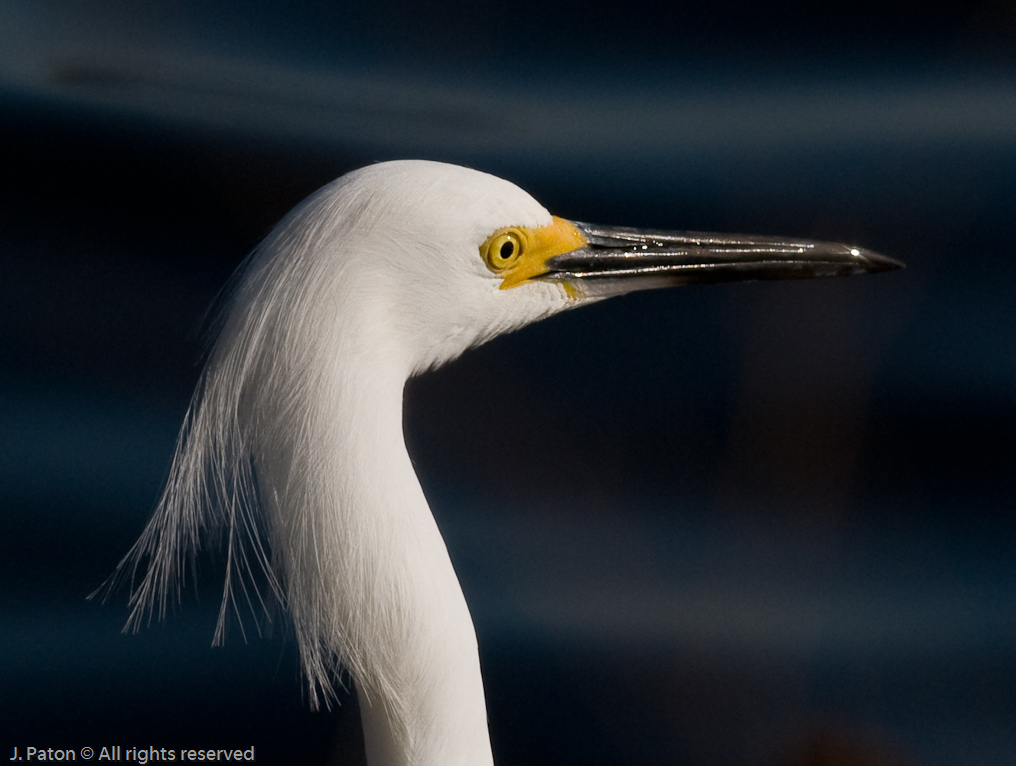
[(519, 254)]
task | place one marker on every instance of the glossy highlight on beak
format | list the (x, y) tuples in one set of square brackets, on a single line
[(617, 259)]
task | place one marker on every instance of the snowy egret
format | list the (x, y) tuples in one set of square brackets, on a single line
[(293, 446)]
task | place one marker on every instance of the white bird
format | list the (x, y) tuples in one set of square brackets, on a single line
[(293, 445)]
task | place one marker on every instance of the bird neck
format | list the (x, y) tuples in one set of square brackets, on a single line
[(401, 627)]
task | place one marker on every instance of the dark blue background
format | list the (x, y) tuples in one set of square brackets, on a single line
[(748, 524)]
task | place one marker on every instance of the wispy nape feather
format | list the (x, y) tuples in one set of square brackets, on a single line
[(247, 440)]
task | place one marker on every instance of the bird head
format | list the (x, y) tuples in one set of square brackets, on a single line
[(444, 257)]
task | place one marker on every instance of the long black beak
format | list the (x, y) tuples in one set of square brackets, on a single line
[(618, 259)]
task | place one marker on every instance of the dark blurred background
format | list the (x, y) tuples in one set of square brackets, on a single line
[(752, 524)]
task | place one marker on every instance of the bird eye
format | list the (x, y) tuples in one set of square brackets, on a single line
[(502, 249)]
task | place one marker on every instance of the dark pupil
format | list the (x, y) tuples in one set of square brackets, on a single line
[(507, 249)]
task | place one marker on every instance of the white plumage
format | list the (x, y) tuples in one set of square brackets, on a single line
[(293, 449)]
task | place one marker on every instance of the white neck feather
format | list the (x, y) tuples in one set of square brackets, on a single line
[(401, 623), (364, 568)]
